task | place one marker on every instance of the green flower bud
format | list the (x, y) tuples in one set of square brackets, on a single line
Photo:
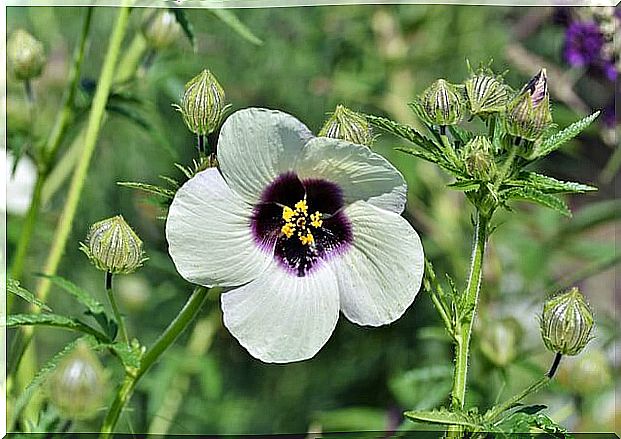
[(500, 339), (566, 323), (113, 247), (348, 125), (160, 28), (441, 104), (486, 94), (77, 386), (203, 105), (25, 55), (528, 114), (477, 154)]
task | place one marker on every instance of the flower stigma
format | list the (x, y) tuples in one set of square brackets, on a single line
[(297, 220)]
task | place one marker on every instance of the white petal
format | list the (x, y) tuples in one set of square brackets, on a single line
[(256, 145), (209, 235), (380, 275), (19, 185), (280, 318), (361, 173)]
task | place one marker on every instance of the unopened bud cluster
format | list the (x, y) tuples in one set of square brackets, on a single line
[(25, 55), (203, 104), (348, 125), (113, 247), (566, 323)]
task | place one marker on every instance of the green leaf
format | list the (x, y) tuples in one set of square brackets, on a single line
[(149, 188), (231, 20), (424, 387), (185, 24), (556, 140), (80, 294), (130, 356), (549, 185), (538, 197), (404, 131), (13, 287), (465, 185), (523, 422), (441, 416), (54, 320)]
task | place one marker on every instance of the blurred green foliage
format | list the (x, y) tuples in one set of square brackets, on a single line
[(373, 59)]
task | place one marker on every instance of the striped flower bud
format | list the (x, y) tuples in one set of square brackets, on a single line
[(486, 94), (25, 55), (566, 323), (160, 29), (203, 104), (77, 386), (441, 104), (478, 157), (528, 114), (348, 125), (113, 247)]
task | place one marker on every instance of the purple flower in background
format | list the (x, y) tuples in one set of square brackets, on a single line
[(610, 69), (583, 43)]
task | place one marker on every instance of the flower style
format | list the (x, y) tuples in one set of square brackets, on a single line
[(303, 226)]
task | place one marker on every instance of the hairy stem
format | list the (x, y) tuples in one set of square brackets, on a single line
[(115, 309), (464, 329), (170, 334)]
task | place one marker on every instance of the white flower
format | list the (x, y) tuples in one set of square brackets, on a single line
[(304, 226), (19, 185)]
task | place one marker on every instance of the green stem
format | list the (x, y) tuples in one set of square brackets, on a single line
[(464, 329), (176, 327), (115, 309), (506, 166), (54, 140), (90, 141)]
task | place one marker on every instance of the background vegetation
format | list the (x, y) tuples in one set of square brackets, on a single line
[(373, 59)]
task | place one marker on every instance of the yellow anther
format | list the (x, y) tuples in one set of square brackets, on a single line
[(307, 239), (316, 220), (287, 213), (288, 229), (301, 206)]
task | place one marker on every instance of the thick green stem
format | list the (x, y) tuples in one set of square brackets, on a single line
[(90, 141), (176, 327), (115, 309), (464, 329)]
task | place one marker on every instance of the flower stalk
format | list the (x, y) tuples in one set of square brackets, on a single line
[(115, 308), (170, 334)]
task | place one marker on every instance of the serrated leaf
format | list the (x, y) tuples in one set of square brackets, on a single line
[(78, 293), (546, 200), (149, 188), (441, 416), (404, 131), (521, 422), (465, 185), (13, 287), (54, 320), (556, 140), (548, 184), (185, 24), (236, 25)]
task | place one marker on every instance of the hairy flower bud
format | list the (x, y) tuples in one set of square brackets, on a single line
[(500, 340), (528, 114), (203, 104), (25, 55), (478, 157), (348, 125), (77, 386), (486, 94), (160, 29), (566, 323), (442, 104), (113, 247)]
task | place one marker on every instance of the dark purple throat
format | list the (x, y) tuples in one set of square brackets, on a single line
[(306, 243)]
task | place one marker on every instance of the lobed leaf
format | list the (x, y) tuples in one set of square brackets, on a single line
[(536, 196), (13, 287), (54, 320), (149, 188), (78, 293), (441, 416), (404, 131), (548, 185), (556, 140)]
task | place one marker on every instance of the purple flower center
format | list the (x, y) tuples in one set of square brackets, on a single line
[(302, 220)]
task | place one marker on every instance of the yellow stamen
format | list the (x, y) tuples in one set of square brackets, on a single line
[(287, 213), (288, 229), (301, 206), (307, 239), (297, 222), (316, 220)]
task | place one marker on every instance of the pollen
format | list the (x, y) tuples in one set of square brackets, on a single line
[(297, 221)]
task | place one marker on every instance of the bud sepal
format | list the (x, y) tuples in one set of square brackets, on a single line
[(348, 125), (203, 104), (528, 114)]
